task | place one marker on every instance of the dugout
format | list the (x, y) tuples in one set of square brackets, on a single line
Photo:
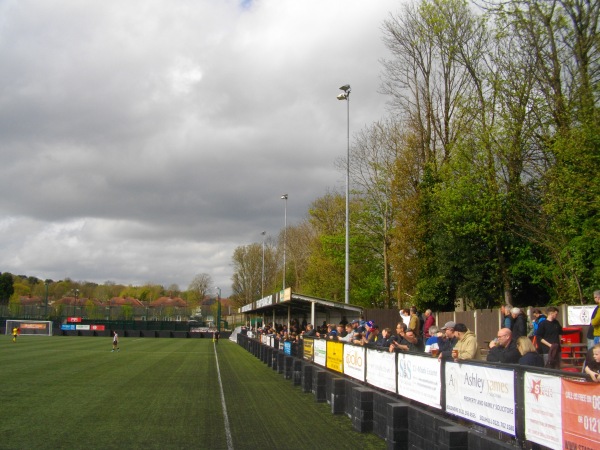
[(286, 305)]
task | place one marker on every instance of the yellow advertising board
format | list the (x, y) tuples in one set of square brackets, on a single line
[(335, 356)]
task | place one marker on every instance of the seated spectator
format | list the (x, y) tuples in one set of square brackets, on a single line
[(503, 349), (432, 341), (592, 363), (466, 346), (447, 341), (530, 356)]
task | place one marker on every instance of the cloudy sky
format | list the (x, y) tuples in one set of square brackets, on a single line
[(143, 141)]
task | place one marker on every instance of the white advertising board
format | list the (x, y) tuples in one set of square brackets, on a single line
[(543, 419), (482, 394), (419, 378), (354, 362), (580, 315), (381, 369), (320, 352)]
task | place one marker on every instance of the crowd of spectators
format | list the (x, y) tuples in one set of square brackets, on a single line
[(415, 332)]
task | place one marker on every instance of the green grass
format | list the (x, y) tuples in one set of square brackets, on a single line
[(72, 392)]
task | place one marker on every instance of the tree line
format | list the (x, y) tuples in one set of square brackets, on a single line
[(13, 287), (480, 184)]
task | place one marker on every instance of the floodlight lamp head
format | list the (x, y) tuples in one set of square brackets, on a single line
[(284, 196), (345, 88), (342, 97)]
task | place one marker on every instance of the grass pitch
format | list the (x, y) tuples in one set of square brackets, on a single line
[(72, 392)]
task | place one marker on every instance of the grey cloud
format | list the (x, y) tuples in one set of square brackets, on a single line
[(144, 141)]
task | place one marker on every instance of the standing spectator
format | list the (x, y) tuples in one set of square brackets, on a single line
[(504, 348), (447, 342), (592, 363), (529, 354), (429, 322), (507, 320), (414, 322), (538, 317), (548, 335), (405, 316), (466, 346), (519, 326), (593, 334)]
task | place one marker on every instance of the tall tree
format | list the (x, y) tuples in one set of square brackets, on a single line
[(247, 274), (199, 287)]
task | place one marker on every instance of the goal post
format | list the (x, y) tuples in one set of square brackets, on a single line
[(30, 327)]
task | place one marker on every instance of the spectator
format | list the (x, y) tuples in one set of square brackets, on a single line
[(372, 336), (432, 342), (349, 334), (415, 340), (401, 342), (401, 328), (331, 332), (538, 317), (310, 331), (447, 341), (592, 363), (341, 330), (529, 354), (503, 349), (414, 322), (386, 339), (548, 336), (429, 322), (593, 334), (519, 327), (405, 316), (466, 346), (506, 316)]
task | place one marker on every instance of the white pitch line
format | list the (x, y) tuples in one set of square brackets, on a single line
[(224, 406)]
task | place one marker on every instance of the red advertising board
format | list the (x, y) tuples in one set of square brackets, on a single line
[(97, 327), (580, 415), (73, 319)]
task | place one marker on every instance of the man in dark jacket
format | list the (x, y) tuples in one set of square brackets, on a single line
[(504, 348), (519, 323), (548, 334)]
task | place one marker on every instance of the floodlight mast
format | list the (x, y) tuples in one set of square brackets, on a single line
[(285, 198), (346, 96)]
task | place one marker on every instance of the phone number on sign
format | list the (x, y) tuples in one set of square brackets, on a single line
[(589, 423)]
